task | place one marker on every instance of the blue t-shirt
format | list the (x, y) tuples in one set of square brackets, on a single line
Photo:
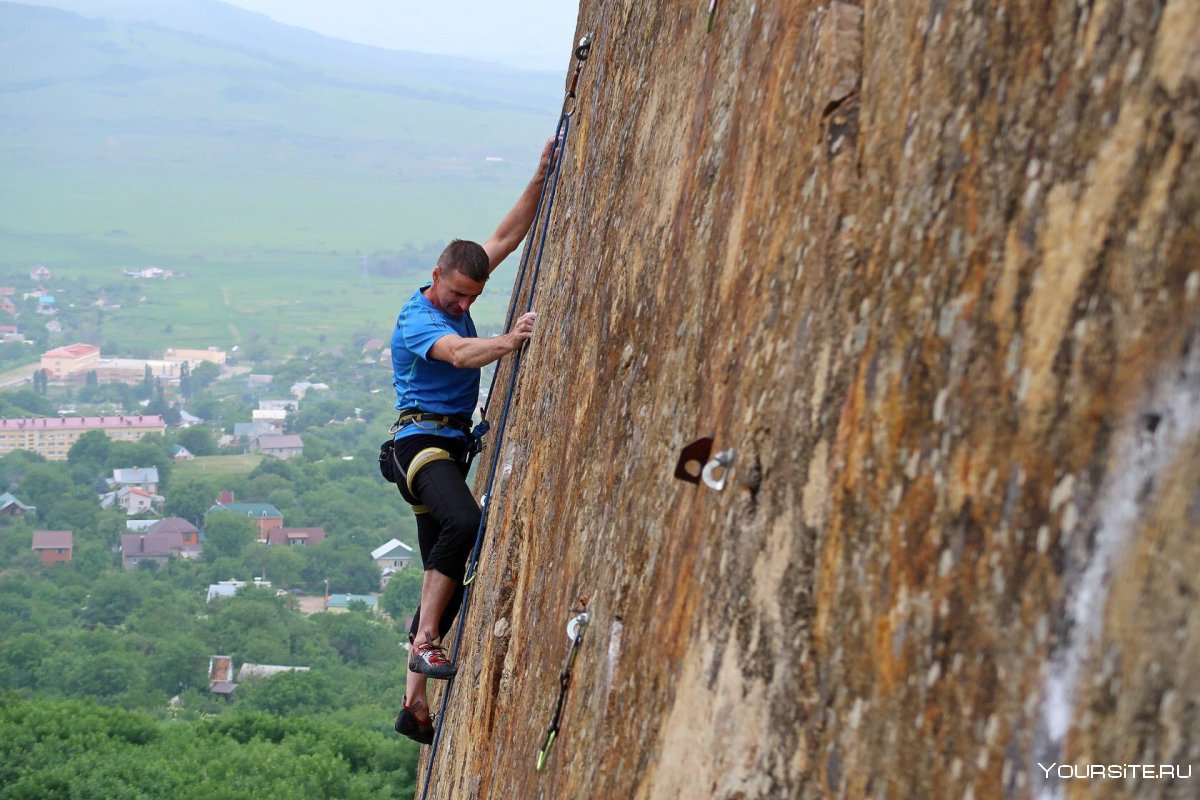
[(423, 382)]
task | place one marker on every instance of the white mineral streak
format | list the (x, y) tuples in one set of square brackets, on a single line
[(1139, 457)]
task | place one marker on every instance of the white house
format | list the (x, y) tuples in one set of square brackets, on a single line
[(391, 556), (132, 500)]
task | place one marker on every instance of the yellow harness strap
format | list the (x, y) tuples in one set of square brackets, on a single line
[(420, 460)]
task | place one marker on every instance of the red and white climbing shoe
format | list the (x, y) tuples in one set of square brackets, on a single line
[(408, 724), (430, 660)]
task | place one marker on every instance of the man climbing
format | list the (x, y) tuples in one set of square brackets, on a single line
[(436, 362)]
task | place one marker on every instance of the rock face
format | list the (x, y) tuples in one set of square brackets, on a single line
[(932, 271)]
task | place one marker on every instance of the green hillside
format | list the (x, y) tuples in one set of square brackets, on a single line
[(299, 182)]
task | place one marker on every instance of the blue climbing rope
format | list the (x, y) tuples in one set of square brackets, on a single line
[(545, 206)]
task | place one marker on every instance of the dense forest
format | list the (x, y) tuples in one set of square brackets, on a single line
[(104, 688)]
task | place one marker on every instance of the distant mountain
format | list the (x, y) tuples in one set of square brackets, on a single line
[(256, 33), (213, 86)]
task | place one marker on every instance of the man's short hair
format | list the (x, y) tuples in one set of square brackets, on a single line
[(466, 258)]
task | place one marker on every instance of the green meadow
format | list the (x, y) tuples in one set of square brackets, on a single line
[(279, 258), (217, 466)]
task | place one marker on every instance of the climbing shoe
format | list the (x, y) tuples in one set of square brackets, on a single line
[(430, 660), (408, 725)]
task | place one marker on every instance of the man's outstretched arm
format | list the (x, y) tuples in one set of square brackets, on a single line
[(474, 353), (516, 222)]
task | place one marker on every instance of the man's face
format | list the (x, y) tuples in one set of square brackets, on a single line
[(453, 292)]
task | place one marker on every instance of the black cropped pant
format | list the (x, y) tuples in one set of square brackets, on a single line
[(446, 529)]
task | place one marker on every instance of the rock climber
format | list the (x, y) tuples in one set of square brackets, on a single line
[(436, 360)]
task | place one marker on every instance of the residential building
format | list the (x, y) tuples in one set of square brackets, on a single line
[(272, 417), (300, 389), (282, 446), (187, 420), (265, 515), (53, 547), (252, 430), (52, 437), (250, 672), (39, 273), (180, 453), (12, 507), (294, 537), (230, 588), (194, 356), (145, 478), (392, 556), (340, 603), (158, 548), (178, 525), (132, 500), (277, 405), (133, 370), (220, 676), (74, 358)]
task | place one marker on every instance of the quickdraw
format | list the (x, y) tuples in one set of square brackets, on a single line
[(575, 629)]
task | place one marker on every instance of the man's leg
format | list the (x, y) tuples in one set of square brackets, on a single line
[(444, 491), (414, 689)]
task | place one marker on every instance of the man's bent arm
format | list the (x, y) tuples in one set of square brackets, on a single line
[(473, 353), (516, 222)]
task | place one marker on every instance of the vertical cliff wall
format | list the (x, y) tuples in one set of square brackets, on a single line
[(932, 270)]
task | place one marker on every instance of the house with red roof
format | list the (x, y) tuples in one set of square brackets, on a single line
[(63, 361)]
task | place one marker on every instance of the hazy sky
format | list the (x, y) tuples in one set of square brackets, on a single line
[(525, 33)]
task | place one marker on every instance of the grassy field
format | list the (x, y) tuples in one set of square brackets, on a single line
[(277, 258), (217, 466)]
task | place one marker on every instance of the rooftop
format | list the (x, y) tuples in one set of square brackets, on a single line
[(52, 539), (269, 441), (78, 350), (249, 509), (87, 423)]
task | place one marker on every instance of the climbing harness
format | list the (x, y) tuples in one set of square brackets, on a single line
[(415, 416), (575, 629), (542, 212)]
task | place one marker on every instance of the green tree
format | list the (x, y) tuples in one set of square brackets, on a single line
[(114, 598), (288, 693), (253, 626), (92, 448), (191, 497), (145, 389), (227, 534), (45, 484), (203, 374), (356, 636), (199, 440), (402, 594)]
